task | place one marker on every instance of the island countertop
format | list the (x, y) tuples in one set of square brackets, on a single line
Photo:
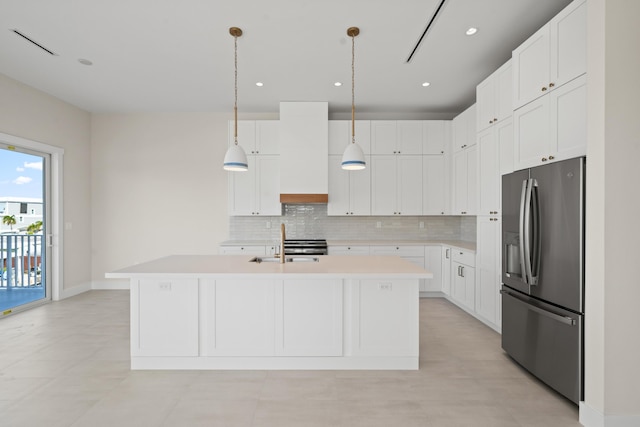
[(239, 266)]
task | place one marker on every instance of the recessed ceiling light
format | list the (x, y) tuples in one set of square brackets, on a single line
[(85, 61), (337, 84), (259, 84), (425, 84), (471, 31)]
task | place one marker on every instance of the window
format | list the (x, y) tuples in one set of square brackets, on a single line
[(23, 208)]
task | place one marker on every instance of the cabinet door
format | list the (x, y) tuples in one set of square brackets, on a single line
[(531, 68), (339, 136), (568, 48), (309, 318), (246, 135), (384, 136), (360, 190), (409, 170), (568, 110), (531, 132), (338, 187), (384, 185), (435, 185), (458, 283), (268, 186), (504, 134), (267, 136), (487, 266), (242, 191), (238, 317), (486, 103), (433, 263), (436, 134), (472, 129), (460, 174), (488, 172), (464, 280), (472, 180), (504, 92), (167, 322), (410, 136), (459, 130), (446, 270)]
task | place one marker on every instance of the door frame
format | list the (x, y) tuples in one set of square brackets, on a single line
[(54, 237)]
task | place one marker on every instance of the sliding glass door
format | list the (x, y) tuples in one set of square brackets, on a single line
[(24, 212)]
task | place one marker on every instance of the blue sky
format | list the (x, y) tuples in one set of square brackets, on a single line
[(20, 175)]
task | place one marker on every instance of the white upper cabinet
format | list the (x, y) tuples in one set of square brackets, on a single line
[(396, 185), (256, 136), (436, 135), (465, 181), (396, 137), (349, 191), (340, 135), (494, 98), (464, 129), (495, 147), (256, 191), (435, 185), (553, 56), (553, 127)]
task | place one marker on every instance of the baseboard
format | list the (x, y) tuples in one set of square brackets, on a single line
[(591, 417), (75, 290), (110, 285)]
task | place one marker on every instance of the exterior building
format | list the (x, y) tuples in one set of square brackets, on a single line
[(25, 209)]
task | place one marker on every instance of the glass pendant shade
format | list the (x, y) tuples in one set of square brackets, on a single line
[(353, 158), (235, 160)]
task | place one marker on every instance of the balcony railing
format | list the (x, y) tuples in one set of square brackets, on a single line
[(21, 260)]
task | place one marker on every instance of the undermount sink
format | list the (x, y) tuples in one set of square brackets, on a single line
[(260, 259)]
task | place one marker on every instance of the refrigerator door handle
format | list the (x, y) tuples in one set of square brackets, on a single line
[(563, 319), (521, 229), (534, 255)]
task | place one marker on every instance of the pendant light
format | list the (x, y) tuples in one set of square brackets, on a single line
[(235, 160), (353, 157)]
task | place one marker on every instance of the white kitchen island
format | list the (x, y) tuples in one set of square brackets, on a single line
[(225, 312)]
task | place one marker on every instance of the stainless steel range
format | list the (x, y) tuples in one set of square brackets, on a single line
[(305, 247)]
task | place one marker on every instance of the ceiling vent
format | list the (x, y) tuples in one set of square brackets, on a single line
[(34, 43), (433, 18)]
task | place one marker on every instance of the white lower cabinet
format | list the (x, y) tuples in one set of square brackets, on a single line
[(246, 250), (446, 269), (167, 317), (309, 318), (239, 318), (488, 283), (348, 250), (433, 263), (463, 278)]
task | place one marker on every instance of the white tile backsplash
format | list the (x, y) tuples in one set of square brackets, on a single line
[(311, 221)]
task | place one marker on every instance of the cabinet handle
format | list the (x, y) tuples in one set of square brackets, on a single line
[(544, 88), (551, 157), (441, 213), (447, 253), (552, 84), (397, 248), (490, 121), (462, 271), (398, 152), (544, 159), (495, 119)]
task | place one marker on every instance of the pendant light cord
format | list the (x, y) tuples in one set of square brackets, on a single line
[(353, 90), (235, 104)]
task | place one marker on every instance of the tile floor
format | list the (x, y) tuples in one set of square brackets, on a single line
[(67, 364)]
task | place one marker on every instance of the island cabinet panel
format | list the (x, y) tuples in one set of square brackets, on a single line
[(238, 317), (166, 321), (309, 317), (383, 321)]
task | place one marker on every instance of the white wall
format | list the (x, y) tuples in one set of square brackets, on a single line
[(35, 115), (158, 187), (612, 383)]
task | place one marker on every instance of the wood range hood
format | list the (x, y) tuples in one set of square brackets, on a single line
[(304, 152)]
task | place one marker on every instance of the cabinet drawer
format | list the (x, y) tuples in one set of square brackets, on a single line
[(348, 250), (399, 250), (464, 257), (244, 250)]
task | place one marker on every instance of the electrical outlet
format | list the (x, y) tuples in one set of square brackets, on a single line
[(385, 286)]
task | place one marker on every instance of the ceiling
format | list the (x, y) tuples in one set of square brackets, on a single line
[(177, 56)]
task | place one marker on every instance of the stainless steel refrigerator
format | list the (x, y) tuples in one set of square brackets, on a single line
[(543, 272)]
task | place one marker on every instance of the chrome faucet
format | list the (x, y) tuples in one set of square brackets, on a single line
[(282, 237)]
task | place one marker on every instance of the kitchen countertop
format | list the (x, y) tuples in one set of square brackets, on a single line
[(238, 266), (471, 246)]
